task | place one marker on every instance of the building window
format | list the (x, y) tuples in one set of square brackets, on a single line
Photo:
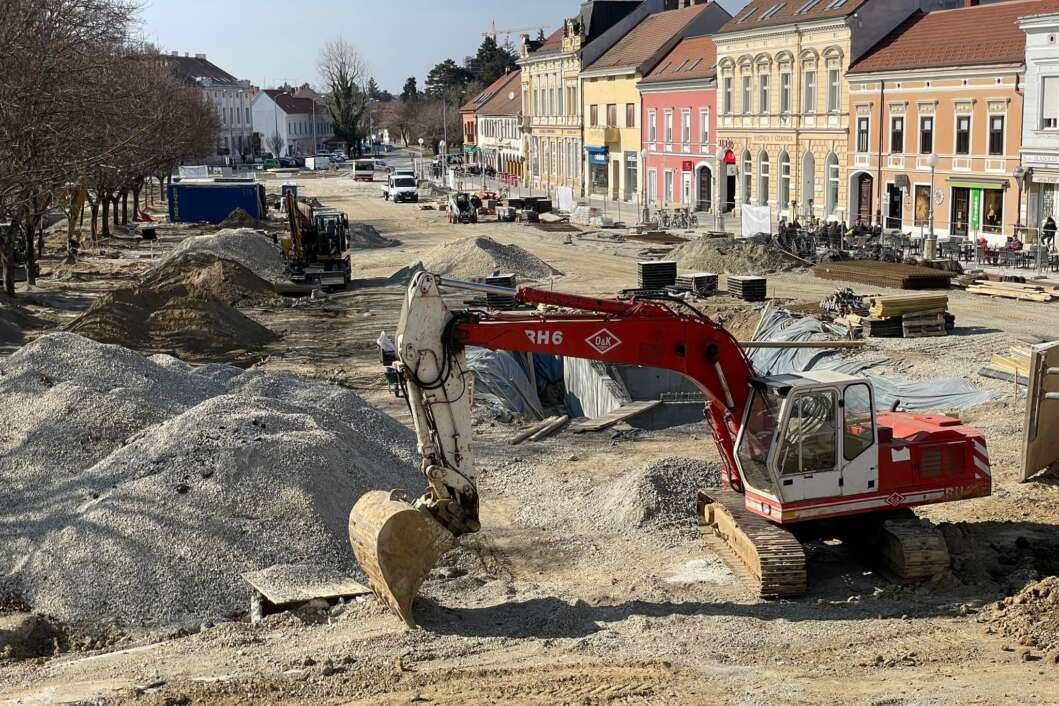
[(809, 92), (652, 185), (862, 135), (1050, 103), (763, 94), (897, 135), (630, 115), (669, 127), (996, 134), (728, 95), (704, 127), (785, 180), (926, 134), (963, 134), (748, 176), (652, 126), (832, 183), (685, 127), (747, 85), (763, 179), (612, 115), (993, 210), (785, 93), (832, 90), (593, 116), (922, 207), (668, 193)]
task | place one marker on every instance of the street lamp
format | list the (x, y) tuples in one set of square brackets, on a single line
[(1020, 179), (930, 249)]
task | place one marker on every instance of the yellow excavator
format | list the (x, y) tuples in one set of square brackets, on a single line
[(316, 245), (795, 448)]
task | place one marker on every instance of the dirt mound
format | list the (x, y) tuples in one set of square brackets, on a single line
[(479, 257), (662, 493), (730, 257), (137, 490), (250, 248), (15, 320), (364, 237), (239, 218), (209, 275), (176, 320), (1030, 618)]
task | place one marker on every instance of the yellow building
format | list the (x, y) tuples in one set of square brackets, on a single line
[(783, 101), (610, 98)]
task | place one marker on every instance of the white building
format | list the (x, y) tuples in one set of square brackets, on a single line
[(499, 128), (287, 125), (1040, 121), (228, 95)]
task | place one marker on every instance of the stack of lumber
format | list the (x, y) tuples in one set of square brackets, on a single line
[(1024, 291), (909, 316), (1011, 365), (901, 304)]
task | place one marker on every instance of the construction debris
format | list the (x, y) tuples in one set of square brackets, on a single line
[(884, 274), (1015, 290)]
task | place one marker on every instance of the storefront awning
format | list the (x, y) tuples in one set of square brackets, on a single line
[(901, 182), (470, 149), (979, 183)]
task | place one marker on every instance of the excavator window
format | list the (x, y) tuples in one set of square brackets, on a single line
[(810, 443), (757, 437), (860, 429)]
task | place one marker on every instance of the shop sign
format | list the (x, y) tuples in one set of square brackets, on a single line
[(976, 209), (688, 165)]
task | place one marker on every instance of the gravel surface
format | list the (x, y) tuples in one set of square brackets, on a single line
[(137, 490), (661, 493), (363, 237), (15, 320), (250, 248), (480, 257)]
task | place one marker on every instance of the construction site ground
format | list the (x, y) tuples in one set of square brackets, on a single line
[(553, 603)]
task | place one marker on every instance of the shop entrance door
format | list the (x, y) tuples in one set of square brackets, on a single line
[(961, 211), (895, 206)]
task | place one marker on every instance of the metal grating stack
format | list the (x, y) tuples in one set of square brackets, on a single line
[(697, 283), (889, 327), (501, 301), (749, 289), (656, 274), (884, 274)]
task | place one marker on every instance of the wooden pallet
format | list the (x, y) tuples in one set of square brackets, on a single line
[(923, 324), (1006, 290), (626, 411)]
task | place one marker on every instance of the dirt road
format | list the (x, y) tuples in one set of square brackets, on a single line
[(555, 602)]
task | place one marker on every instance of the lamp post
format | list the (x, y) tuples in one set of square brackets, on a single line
[(930, 249), (1020, 179)]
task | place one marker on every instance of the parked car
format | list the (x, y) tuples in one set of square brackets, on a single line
[(381, 166), (337, 156), (288, 162)]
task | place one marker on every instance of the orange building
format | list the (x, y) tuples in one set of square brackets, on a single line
[(936, 117)]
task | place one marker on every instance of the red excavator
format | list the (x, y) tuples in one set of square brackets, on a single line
[(796, 448)]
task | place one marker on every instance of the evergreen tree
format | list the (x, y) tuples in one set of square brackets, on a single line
[(447, 79), (494, 60), (410, 90)]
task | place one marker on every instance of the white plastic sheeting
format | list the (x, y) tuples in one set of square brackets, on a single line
[(756, 219), (564, 199), (591, 391), (500, 374), (780, 325)]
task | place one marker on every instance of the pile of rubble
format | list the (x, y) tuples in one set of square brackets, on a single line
[(137, 490), (1030, 618)]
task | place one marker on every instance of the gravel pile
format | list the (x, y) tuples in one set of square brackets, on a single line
[(479, 257), (252, 249), (206, 274), (1030, 618), (239, 218), (137, 490), (662, 493), (15, 320), (736, 257), (365, 237)]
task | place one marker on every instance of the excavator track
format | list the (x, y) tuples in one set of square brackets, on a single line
[(772, 554), (912, 547)]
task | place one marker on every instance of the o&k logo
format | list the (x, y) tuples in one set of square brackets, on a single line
[(603, 341)]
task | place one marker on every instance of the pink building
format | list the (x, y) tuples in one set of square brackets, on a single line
[(679, 119)]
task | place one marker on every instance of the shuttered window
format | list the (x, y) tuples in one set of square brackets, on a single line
[(1050, 102)]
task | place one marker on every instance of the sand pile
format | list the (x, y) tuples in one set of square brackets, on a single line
[(1030, 618), (175, 320), (478, 257), (139, 489), (251, 249), (206, 274), (662, 493), (15, 320), (364, 237), (239, 218), (730, 257)]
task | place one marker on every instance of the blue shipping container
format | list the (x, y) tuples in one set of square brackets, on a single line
[(212, 202)]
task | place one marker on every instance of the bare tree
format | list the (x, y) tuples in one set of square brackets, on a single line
[(276, 143), (344, 75)]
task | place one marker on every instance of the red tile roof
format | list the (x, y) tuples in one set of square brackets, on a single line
[(765, 13), (553, 42), (508, 98), (968, 36), (289, 104), (647, 38), (484, 96), (694, 57)]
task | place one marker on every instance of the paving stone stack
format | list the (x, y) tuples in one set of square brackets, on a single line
[(656, 275), (749, 289), (697, 283)]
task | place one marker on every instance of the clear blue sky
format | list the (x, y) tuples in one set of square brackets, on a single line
[(269, 41)]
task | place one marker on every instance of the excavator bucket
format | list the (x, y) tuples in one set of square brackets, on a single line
[(397, 546)]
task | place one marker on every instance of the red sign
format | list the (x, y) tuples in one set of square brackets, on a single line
[(688, 165), (729, 157)]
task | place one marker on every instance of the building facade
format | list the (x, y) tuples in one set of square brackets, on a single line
[(679, 127), (290, 126), (469, 118), (230, 98), (783, 101), (1040, 133), (937, 124), (499, 128), (610, 97)]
